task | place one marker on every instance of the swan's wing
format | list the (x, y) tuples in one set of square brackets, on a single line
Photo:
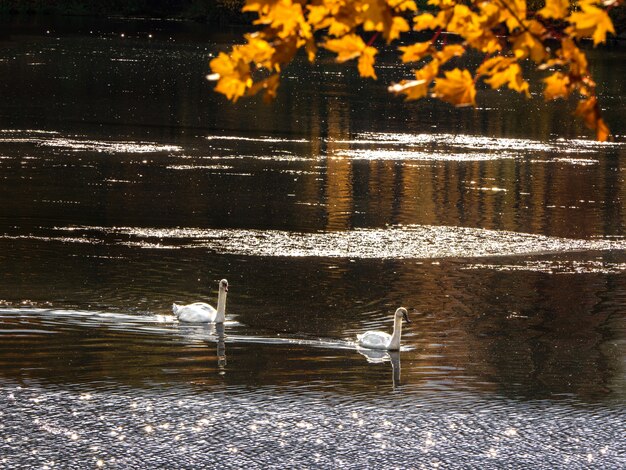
[(374, 339), (202, 306), (196, 312)]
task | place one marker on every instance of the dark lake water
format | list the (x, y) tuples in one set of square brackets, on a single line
[(126, 185)]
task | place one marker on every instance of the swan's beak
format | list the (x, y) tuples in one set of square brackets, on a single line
[(406, 317)]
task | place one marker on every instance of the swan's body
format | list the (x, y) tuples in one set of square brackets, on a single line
[(382, 340), (200, 312)]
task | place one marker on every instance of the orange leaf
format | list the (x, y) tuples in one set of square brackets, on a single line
[(415, 52), (374, 13), (591, 21), (311, 49), (318, 16), (556, 9), (527, 45), (588, 110), (258, 51), (270, 86), (402, 5), (574, 56), (457, 88), (557, 86), (232, 75), (513, 14), (260, 6), (494, 63), (413, 89), (366, 62), (285, 16), (428, 72), (448, 52), (398, 26), (425, 21), (347, 47), (510, 75), (602, 130)]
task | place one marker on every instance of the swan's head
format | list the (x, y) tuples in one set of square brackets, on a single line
[(224, 285), (403, 313)]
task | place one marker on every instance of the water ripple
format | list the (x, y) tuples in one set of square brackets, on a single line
[(273, 428), (408, 155), (556, 267), (479, 142), (52, 139), (395, 242)]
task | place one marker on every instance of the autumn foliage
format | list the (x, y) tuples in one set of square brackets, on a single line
[(503, 32)]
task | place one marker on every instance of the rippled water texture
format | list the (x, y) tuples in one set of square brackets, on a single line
[(127, 185)]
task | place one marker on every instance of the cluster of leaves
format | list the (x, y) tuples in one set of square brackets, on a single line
[(503, 32)]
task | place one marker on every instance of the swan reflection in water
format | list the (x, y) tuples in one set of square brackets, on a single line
[(216, 332), (379, 356), (206, 334), (221, 348)]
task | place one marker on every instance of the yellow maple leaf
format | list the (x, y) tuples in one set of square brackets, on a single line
[(572, 55), (284, 16), (413, 89), (366, 62), (602, 130), (402, 5), (425, 21), (442, 3), (270, 88), (311, 49), (347, 47), (260, 6), (428, 72), (528, 45), (270, 84), (557, 86), (589, 111), (415, 52), (463, 21), (398, 26), (221, 66), (257, 50), (493, 63), (318, 16), (340, 25), (556, 9), (590, 22), (456, 88), (510, 75), (448, 52), (374, 14), (514, 14), (232, 75), (285, 50)]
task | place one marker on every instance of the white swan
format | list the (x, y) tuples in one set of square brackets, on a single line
[(201, 312), (382, 340)]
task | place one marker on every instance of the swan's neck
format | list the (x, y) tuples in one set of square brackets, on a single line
[(394, 343), (221, 307)]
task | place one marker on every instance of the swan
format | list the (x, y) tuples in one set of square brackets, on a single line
[(200, 312), (382, 340)]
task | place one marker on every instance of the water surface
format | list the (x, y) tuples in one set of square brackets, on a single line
[(127, 185)]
